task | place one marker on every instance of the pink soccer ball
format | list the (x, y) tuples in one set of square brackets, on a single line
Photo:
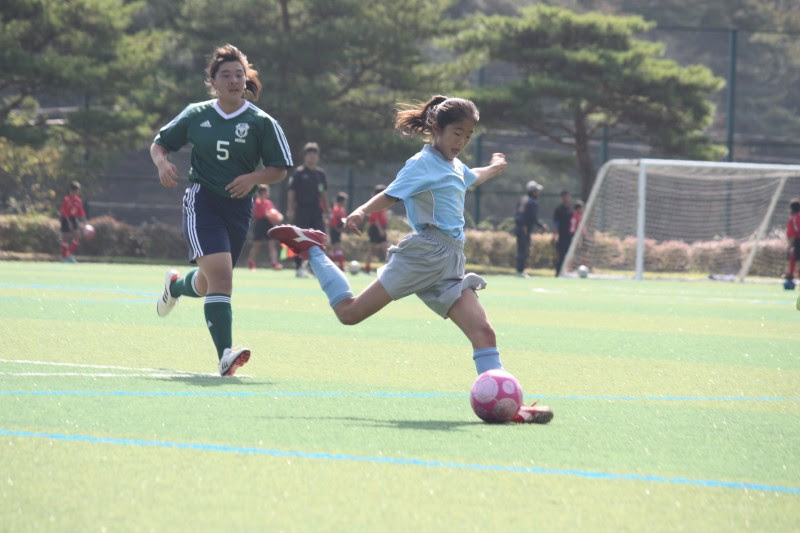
[(496, 396)]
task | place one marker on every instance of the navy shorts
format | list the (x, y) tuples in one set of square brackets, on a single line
[(213, 224), (309, 217), (336, 236), (375, 235), (260, 228), (796, 248), (68, 225)]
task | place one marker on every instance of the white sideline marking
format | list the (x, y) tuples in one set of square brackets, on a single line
[(111, 375), (141, 372)]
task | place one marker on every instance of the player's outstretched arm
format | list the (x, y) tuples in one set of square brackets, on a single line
[(373, 205), (496, 166)]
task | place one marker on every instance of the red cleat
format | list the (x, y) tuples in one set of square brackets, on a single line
[(533, 414), (298, 240)]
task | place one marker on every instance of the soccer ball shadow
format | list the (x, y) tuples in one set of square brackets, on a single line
[(427, 425)]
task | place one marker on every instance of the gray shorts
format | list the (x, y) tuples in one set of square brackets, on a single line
[(431, 265)]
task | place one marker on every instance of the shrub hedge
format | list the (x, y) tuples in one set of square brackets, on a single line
[(40, 234)]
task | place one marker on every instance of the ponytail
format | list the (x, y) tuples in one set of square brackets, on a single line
[(439, 110)]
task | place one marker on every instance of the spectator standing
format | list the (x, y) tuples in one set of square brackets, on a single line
[(793, 236), (562, 218), (307, 198), (574, 224), (577, 216), (526, 220)]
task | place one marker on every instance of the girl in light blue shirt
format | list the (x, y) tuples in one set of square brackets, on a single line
[(430, 261)]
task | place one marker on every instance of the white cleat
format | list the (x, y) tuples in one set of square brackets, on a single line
[(233, 358), (167, 302)]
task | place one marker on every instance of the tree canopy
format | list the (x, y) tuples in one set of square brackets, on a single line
[(332, 71), (86, 79), (578, 73), (70, 93)]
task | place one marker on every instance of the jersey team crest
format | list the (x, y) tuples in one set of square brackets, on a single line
[(241, 131)]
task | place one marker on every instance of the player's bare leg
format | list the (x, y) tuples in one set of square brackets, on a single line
[(217, 273), (468, 314), (353, 310)]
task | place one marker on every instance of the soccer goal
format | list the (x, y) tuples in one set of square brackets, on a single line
[(723, 220)]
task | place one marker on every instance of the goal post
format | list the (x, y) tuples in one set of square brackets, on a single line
[(648, 216)]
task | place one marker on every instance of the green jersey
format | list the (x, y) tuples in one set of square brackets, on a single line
[(226, 146)]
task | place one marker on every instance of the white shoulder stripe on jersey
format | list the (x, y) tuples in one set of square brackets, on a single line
[(287, 153), (279, 135)]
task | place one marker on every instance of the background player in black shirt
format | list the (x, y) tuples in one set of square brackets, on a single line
[(308, 197)]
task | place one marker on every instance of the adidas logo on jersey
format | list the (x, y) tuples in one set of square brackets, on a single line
[(205, 124)]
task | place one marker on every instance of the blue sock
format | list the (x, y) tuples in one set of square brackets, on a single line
[(330, 277), (486, 359)]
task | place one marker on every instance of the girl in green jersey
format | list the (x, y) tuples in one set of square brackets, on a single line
[(235, 147)]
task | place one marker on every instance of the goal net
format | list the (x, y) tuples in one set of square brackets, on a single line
[(723, 220)]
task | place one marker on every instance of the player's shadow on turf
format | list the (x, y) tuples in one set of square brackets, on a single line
[(209, 381)]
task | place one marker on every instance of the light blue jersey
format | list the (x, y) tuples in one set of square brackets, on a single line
[(433, 190)]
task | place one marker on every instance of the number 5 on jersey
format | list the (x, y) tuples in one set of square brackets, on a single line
[(222, 150)]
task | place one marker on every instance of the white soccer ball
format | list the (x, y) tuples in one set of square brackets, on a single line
[(353, 267), (583, 271)]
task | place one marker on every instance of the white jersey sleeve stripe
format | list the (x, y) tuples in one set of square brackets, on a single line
[(287, 153)]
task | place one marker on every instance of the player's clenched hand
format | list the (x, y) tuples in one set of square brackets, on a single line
[(353, 221), (242, 185), (167, 173), (499, 162)]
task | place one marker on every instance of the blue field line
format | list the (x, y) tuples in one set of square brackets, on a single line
[(208, 447), (335, 394)]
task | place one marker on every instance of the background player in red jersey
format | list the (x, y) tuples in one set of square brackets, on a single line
[(793, 236), (73, 216), (338, 214), (265, 215), (377, 223)]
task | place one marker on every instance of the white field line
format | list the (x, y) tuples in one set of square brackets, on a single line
[(141, 372), (111, 375)]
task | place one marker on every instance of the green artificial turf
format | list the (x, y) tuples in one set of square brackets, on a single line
[(676, 408)]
